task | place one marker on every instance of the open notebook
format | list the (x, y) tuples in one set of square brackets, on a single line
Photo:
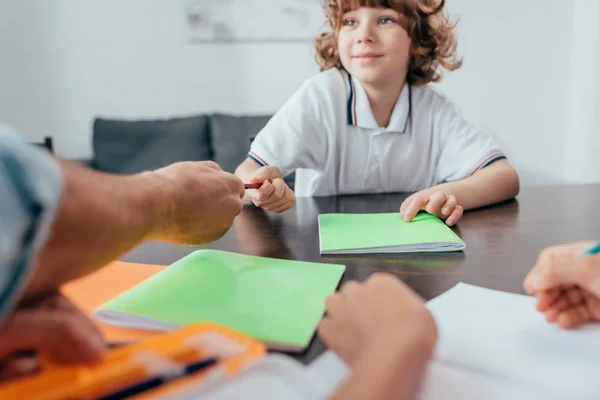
[(385, 233), (279, 302)]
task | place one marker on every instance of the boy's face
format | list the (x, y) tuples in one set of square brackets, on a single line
[(373, 46)]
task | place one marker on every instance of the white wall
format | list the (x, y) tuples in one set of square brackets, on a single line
[(515, 77), (64, 61), (528, 74), (583, 129)]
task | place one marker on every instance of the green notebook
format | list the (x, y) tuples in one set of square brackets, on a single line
[(277, 301), (385, 233)]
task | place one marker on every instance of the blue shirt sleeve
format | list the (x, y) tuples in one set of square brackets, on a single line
[(30, 191)]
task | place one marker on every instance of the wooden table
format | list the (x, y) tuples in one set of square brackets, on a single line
[(502, 241)]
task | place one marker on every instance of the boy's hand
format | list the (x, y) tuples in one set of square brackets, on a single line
[(274, 194), (441, 204), (567, 285), (382, 309)]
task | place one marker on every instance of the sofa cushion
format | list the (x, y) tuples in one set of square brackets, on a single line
[(230, 138), (231, 135), (135, 146)]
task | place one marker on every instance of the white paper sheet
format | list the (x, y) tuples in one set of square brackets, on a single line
[(502, 336)]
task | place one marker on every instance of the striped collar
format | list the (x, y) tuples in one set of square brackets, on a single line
[(359, 109)]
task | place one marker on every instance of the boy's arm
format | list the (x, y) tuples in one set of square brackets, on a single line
[(387, 370), (492, 184), (495, 183)]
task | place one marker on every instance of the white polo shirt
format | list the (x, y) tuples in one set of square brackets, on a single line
[(327, 133)]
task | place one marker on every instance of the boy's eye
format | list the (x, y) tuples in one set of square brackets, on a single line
[(349, 22), (386, 20)]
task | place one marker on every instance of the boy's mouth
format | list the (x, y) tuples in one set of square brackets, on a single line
[(367, 55)]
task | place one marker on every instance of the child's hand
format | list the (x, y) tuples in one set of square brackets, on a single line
[(274, 194), (441, 204), (569, 306), (382, 311), (567, 285)]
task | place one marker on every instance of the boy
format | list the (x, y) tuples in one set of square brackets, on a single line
[(367, 123)]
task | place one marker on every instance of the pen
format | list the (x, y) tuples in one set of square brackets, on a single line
[(252, 185), (594, 249), (158, 380)]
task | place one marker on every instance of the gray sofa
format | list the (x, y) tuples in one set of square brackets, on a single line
[(126, 147)]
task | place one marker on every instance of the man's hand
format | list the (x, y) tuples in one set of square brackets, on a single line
[(198, 201), (52, 326)]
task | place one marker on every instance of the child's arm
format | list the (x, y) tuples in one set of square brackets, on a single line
[(490, 185), (388, 370), (274, 194), (384, 332), (292, 139)]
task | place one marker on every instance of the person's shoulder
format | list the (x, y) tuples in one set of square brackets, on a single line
[(430, 97), (327, 86)]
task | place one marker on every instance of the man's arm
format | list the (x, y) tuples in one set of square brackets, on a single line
[(102, 216), (99, 218)]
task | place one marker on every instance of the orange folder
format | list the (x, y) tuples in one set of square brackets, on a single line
[(91, 291)]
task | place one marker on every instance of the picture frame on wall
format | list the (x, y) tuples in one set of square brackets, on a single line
[(252, 20)]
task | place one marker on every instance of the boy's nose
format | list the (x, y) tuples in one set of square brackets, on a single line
[(365, 34)]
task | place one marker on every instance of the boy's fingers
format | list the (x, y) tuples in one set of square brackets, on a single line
[(264, 192), (266, 173), (260, 175), (455, 216), (279, 187), (449, 205), (417, 203), (403, 206), (435, 203)]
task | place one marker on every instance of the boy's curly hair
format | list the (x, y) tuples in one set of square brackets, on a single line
[(431, 33)]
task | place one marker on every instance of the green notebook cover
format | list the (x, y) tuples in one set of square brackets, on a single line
[(277, 301), (385, 233)]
